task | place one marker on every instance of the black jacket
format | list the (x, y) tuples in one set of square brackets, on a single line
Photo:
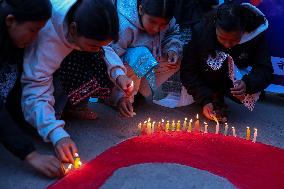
[(201, 81)]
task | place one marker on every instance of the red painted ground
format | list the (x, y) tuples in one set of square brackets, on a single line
[(243, 163)]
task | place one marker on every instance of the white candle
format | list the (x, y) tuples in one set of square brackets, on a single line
[(217, 128), (149, 127), (226, 129), (184, 124), (234, 131), (206, 127), (153, 127), (217, 125), (254, 135)]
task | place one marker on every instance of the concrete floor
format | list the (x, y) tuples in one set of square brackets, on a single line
[(94, 137)]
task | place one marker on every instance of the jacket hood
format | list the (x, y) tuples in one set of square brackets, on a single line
[(261, 28)]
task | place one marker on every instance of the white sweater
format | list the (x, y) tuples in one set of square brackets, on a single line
[(41, 60)]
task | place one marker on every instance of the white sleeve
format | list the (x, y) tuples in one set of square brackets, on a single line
[(41, 60)]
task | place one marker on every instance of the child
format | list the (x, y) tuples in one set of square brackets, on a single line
[(86, 25), (234, 33), (149, 45), (20, 24)]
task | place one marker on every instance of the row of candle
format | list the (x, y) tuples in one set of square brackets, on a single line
[(149, 127)]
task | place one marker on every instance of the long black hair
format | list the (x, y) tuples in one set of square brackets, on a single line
[(22, 10), (158, 8), (229, 16), (95, 19)]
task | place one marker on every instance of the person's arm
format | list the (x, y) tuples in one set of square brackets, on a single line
[(172, 40), (126, 37), (191, 74), (40, 62), (262, 71)]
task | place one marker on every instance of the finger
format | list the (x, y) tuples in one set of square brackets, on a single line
[(61, 154), (48, 173), (129, 107), (123, 113), (237, 93), (73, 148), (68, 154), (126, 108), (55, 162), (53, 171)]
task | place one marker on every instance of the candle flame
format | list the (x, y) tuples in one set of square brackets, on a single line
[(191, 120), (178, 121), (76, 155), (185, 119), (163, 120), (145, 121), (79, 163), (69, 166), (168, 121), (247, 127), (226, 124), (205, 123), (197, 116), (149, 119)]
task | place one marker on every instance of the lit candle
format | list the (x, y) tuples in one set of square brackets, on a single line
[(197, 124), (234, 132), (205, 127), (217, 125), (139, 128), (184, 124), (254, 135), (158, 128), (248, 133), (189, 126), (167, 126), (77, 161), (66, 168), (149, 127), (153, 127), (163, 125), (226, 129), (173, 125), (178, 125), (144, 128)]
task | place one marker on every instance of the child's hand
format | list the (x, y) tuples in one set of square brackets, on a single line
[(125, 107), (66, 149), (208, 111), (240, 90), (45, 164), (125, 84), (172, 59)]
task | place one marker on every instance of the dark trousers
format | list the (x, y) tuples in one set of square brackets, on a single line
[(12, 124)]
